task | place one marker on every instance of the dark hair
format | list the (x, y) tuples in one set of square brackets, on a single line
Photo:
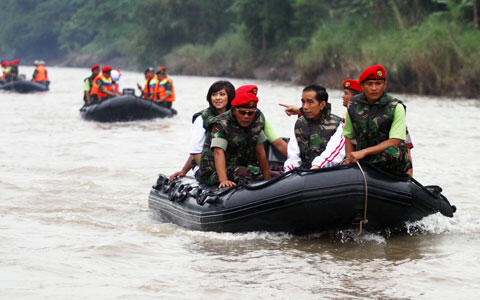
[(218, 86), (320, 92)]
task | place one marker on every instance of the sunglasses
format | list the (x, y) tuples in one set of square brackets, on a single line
[(246, 112)]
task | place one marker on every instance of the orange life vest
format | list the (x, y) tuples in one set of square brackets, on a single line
[(153, 88), (41, 74), (107, 84), (161, 90), (147, 93)]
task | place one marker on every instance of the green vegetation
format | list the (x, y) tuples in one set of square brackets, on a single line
[(427, 46)]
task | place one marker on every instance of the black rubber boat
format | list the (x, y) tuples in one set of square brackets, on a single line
[(300, 201), (23, 86), (125, 108)]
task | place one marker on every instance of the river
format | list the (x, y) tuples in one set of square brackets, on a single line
[(75, 223)]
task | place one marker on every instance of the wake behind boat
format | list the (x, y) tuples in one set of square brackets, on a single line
[(125, 108), (300, 201)]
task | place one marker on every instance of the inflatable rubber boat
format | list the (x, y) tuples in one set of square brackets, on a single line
[(301, 201), (23, 86), (125, 108)]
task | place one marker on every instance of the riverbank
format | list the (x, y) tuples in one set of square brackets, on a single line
[(427, 47), (436, 57)]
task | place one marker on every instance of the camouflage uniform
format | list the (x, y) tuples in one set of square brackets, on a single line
[(241, 148), (207, 114), (313, 135), (371, 124)]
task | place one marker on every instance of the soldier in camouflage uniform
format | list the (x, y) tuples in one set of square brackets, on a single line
[(219, 97), (313, 130), (377, 122), (233, 138)]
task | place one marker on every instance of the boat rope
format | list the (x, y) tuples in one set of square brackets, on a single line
[(365, 220)]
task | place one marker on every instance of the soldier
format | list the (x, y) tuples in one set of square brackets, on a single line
[(313, 130), (377, 122), (165, 92), (350, 88), (88, 83), (277, 142), (233, 138), (149, 90)]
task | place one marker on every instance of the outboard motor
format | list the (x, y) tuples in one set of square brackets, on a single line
[(128, 92)]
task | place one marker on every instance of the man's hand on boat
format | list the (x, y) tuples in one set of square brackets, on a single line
[(290, 110), (226, 183), (354, 156), (176, 175)]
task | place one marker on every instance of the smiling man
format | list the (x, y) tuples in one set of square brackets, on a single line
[(377, 122), (312, 131), (232, 139)]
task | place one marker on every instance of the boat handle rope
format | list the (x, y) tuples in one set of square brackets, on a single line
[(365, 220)]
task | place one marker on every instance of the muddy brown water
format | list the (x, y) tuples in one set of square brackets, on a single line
[(74, 220)]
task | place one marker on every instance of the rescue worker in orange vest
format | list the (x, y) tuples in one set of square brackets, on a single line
[(3, 70), (88, 84), (12, 72), (149, 90), (40, 74), (115, 74), (103, 86), (165, 90)]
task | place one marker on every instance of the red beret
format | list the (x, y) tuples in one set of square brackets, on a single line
[(352, 85), (162, 70), (95, 67), (4, 63), (245, 100), (17, 61), (373, 72), (106, 69), (247, 89)]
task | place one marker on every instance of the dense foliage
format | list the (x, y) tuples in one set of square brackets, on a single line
[(428, 46)]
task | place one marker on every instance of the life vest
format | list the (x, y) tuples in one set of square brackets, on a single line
[(41, 74), (371, 124), (106, 83), (207, 115), (152, 88), (241, 145), (313, 135), (162, 89), (149, 89)]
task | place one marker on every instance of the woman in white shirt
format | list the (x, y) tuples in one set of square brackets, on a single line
[(219, 96)]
